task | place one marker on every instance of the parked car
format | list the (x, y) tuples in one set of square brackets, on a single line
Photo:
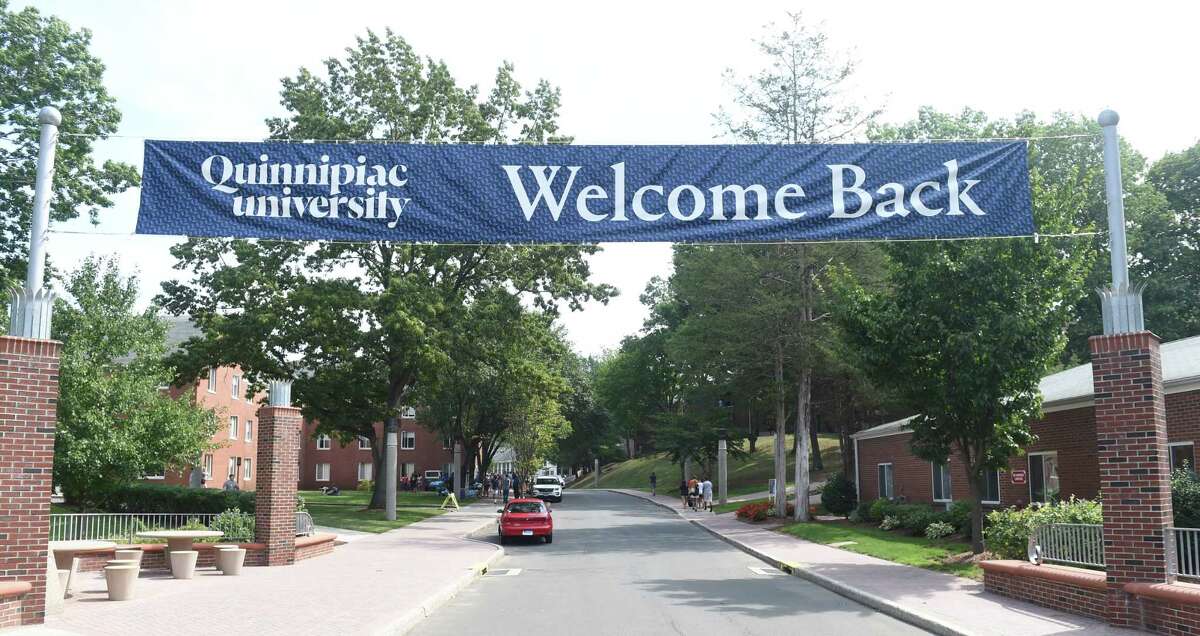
[(525, 518), (547, 488)]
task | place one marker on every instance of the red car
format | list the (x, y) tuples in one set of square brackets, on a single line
[(525, 518)]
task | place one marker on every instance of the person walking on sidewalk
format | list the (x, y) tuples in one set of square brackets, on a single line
[(653, 484), (706, 488), (504, 487), (683, 492)]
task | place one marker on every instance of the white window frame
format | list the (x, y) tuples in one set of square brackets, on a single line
[(948, 496), (233, 427), (891, 472), (408, 440), (370, 471), (249, 430), (324, 442), (232, 470), (1029, 477), (206, 465), (318, 476), (364, 443), (162, 474), (408, 469), (996, 472), (235, 385), (408, 413), (212, 380), (1171, 454), (447, 443), (247, 469)]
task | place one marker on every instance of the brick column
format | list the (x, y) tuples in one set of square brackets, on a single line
[(1135, 486), (278, 473), (28, 404)]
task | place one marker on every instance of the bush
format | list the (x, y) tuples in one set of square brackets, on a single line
[(365, 484), (838, 495), (753, 511), (1185, 498), (916, 517), (889, 523), (1007, 532), (237, 525), (881, 508), (959, 516), (939, 530), (863, 512), (159, 498)]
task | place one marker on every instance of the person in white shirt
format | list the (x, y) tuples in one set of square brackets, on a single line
[(707, 488)]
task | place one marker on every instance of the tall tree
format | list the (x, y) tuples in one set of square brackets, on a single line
[(115, 424), (1166, 244), (800, 95), (361, 325), (45, 62)]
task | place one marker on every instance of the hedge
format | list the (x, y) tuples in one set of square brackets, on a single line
[(159, 498)]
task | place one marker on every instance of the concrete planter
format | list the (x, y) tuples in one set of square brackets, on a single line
[(183, 563), (230, 560), (126, 555), (120, 580)]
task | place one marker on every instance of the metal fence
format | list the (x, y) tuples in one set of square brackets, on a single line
[(118, 526), (1183, 552), (1070, 543)]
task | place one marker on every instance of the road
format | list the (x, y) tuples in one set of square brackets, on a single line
[(623, 566)]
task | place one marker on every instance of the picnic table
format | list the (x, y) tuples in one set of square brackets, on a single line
[(180, 539), (65, 551)]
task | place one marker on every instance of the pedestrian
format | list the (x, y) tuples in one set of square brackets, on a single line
[(683, 492), (706, 488), (230, 484), (504, 483), (653, 484), (516, 482)]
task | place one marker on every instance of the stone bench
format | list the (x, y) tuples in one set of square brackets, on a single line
[(12, 601), (1074, 590)]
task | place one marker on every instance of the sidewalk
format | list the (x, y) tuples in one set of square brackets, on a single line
[(942, 603), (382, 583)]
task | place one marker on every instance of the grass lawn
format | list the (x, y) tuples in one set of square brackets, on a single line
[(746, 476), (892, 546), (349, 509)]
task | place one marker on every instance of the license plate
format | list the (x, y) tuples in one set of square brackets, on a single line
[(527, 533)]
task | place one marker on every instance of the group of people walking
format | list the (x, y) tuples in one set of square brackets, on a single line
[(694, 493), (498, 485)]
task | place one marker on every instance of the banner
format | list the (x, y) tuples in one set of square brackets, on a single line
[(585, 194)]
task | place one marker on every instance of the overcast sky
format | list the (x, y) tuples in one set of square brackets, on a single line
[(630, 72)]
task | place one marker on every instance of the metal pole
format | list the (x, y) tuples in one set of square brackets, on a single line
[(1116, 203), (722, 471), (389, 487), (49, 118), (596, 463), (459, 477)]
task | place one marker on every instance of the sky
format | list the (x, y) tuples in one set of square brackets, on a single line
[(630, 72)]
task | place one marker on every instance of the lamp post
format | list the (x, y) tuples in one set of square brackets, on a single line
[(1121, 303), (29, 307)]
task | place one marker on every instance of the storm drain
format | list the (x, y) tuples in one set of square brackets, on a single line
[(504, 572), (767, 571)]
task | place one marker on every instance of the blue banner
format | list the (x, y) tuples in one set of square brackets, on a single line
[(585, 194)]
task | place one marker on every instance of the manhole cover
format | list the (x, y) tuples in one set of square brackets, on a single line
[(767, 571), (504, 572)]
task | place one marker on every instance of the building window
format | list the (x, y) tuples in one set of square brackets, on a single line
[(247, 472), (322, 472), (991, 487), (364, 471), (159, 472), (885, 481), (212, 380), (206, 465), (447, 443), (233, 468), (249, 430), (408, 469), (236, 384), (408, 440), (408, 413), (941, 483), (1043, 477), (364, 443), (324, 442), (233, 427), (1183, 456)]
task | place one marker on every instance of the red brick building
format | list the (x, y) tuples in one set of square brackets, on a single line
[(1062, 462), (325, 462)]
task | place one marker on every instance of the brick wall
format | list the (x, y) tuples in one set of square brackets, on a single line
[(1054, 594), (278, 466), (1174, 619), (28, 403), (343, 461), (10, 611)]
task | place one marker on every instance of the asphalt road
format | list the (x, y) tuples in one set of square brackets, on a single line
[(620, 565)]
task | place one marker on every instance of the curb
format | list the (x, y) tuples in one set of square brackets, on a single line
[(410, 619), (882, 605)]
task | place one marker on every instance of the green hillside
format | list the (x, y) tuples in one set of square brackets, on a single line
[(745, 476)]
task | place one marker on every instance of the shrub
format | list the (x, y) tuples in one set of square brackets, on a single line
[(838, 495), (959, 516), (365, 484), (1185, 498), (881, 508), (237, 525), (889, 523), (916, 517), (159, 498), (855, 516), (939, 530), (863, 512), (1007, 532), (753, 511), (301, 505)]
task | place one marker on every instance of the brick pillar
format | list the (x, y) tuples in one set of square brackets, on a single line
[(28, 404), (1135, 486), (278, 473)]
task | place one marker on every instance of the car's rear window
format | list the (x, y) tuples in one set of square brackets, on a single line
[(526, 506)]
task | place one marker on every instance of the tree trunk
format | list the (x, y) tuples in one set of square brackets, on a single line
[(813, 439), (803, 427), (780, 437), (846, 447), (377, 490), (975, 487)]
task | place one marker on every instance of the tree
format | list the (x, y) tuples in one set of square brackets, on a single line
[(115, 424), (1166, 244), (44, 62), (965, 330), (360, 326), (636, 384), (801, 95), (592, 435)]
